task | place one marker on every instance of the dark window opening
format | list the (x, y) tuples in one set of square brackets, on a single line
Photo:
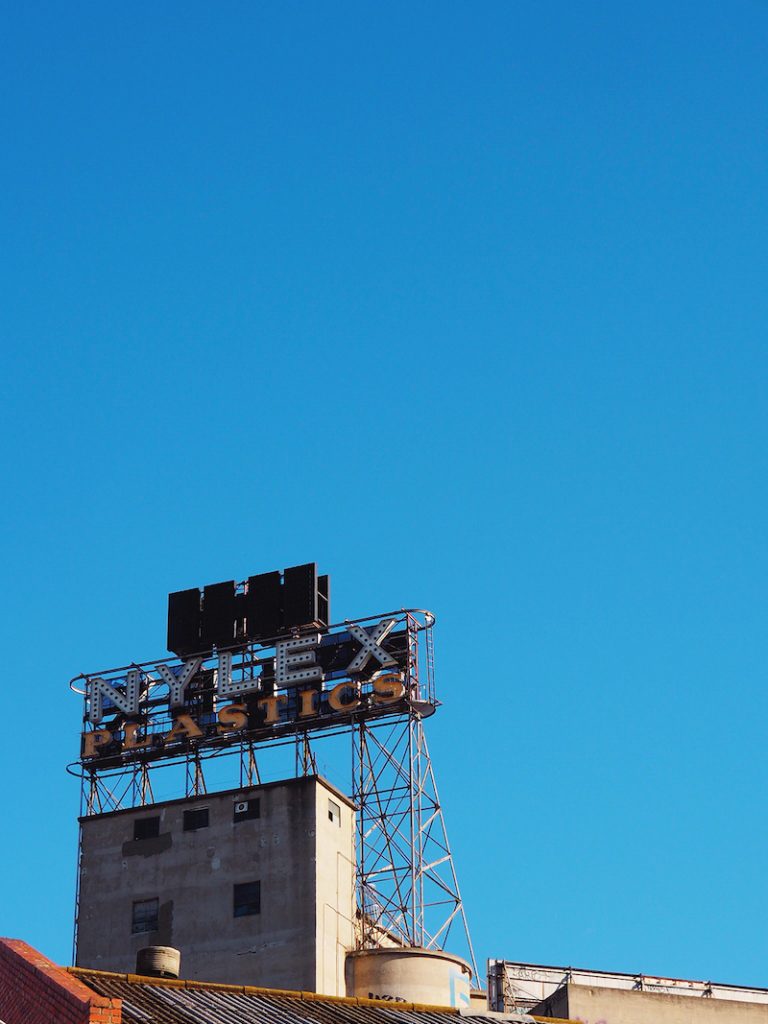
[(194, 819), (246, 810), (146, 828), (247, 899), (334, 813), (144, 917)]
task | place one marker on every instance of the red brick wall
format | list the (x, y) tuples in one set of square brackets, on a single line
[(35, 991)]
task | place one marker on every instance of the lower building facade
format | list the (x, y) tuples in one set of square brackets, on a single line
[(253, 886), (606, 997)]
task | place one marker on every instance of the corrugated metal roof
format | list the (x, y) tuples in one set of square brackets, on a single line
[(156, 1001)]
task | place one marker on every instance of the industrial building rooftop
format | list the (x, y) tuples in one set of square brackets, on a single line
[(33, 990), (172, 1001)]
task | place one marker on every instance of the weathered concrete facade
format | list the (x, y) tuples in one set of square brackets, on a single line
[(600, 1005), (292, 930)]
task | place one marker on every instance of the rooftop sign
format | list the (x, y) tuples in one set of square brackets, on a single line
[(313, 677)]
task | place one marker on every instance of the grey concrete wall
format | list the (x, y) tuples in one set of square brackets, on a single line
[(335, 894), (290, 849), (612, 1006)]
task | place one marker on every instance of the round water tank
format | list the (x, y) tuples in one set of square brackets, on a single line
[(409, 975), (158, 962)]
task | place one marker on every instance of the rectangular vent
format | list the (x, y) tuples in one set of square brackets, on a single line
[(195, 819), (247, 809), (146, 828)]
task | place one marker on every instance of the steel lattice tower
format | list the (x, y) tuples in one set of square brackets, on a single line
[(407, 889)]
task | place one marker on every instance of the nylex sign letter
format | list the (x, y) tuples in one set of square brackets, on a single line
[(297, 673)]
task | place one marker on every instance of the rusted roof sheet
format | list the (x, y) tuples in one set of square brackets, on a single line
[(169, 1002), (155, 1001)]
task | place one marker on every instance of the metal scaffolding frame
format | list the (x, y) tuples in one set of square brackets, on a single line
[(407, 890)]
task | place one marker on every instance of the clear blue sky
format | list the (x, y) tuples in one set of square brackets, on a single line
[(467, 303)]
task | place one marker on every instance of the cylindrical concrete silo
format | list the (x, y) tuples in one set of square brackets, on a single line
[(409, 974), (158, 962)]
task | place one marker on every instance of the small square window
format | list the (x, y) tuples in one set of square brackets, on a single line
[(334, 813), (245, 810), (247, 899), (144, 917), (195, 819), (146, 828)]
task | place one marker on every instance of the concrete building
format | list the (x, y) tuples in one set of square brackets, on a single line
[(615, 998), (580, 1002), (254, 886)]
